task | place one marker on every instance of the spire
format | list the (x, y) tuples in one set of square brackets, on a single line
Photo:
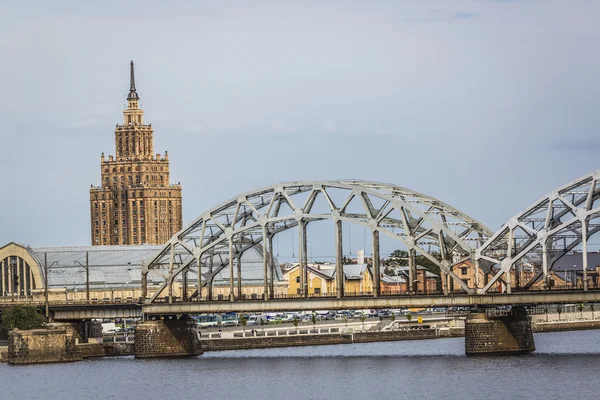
[(132, 93)]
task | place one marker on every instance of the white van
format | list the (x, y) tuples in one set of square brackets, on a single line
[(256, 319)]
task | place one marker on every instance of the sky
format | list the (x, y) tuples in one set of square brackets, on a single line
[(486, 105)]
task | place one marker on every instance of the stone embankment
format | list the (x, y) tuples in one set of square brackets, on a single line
[(254, 342), (92, 350), (572, 325), (42, 346)]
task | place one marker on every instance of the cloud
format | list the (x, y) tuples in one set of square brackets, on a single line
[(83, 123), (465, 15), (330, 126), (583, 145), (282, 127)]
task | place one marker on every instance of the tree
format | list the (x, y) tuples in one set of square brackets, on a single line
[(393, 317), (296, 321), (244, 322), (580, 308), (546, 312), (22, 317), (400, 257), (389, 271), (313, 318), (262, 323), (346, 321), (559, 310), (409, 317), (363, 317)]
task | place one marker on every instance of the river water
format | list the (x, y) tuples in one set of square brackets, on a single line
[(566, 365)]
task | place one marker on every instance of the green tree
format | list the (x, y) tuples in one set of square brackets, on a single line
[(22, 317), (400, 257), (363, 317), (262, 323), (409, 317), (244, 322), (313, 318), (296, 321), (559, 310), (580, 308)]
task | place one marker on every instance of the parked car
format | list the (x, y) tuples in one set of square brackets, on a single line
[(256, 320)]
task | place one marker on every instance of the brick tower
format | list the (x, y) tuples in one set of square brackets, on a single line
[(135, 203)]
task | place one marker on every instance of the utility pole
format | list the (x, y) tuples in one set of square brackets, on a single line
[(87, 277), (46, 285)]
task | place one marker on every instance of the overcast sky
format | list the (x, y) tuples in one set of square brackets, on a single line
[(487, 105)]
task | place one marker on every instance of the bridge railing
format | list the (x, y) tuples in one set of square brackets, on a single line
[(40, 302), (118, 337), (283, 296)]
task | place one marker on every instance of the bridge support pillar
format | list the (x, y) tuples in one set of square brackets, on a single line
[(499, 335), (167, 338)]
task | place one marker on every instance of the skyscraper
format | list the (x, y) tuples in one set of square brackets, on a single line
[(135, 203)]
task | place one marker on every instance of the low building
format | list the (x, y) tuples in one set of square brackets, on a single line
[(321, 279), (566, 272), (358, 279), (113, 273), (396, 284), (427, 282)]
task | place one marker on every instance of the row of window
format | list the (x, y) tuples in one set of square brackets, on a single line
[(137, 169), (133, 195)]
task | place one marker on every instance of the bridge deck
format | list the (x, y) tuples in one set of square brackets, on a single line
[(251, 306)]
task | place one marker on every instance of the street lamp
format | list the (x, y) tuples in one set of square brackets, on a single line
[(46, 267)]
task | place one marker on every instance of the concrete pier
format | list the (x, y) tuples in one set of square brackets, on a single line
[(510, 334), (42, 346), (167, 338)]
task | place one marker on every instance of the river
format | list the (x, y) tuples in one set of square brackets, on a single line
[(566, 365)]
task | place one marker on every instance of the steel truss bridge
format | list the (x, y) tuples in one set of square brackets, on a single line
[(550, 228)]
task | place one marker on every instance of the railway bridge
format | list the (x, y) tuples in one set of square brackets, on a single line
[(513, 266), (556, 225)]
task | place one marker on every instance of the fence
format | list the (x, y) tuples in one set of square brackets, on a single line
[(127, 337)]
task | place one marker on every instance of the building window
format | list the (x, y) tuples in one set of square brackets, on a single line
[(298, 291), (317, 290), (297, 279), (463, 270)]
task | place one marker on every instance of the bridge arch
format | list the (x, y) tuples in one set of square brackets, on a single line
[(543, 233), (218, 238)]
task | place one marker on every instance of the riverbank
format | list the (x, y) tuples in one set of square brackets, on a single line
[(293, 340), (275, 339), (284, 337)]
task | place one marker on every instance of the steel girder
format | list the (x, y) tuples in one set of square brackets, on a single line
[(218, 237), (546, 231)]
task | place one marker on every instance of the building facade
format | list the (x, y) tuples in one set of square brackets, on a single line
[(110, 274), (322, 279), (135, 202)]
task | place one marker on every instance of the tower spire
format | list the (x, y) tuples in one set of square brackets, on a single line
[(132, 92)]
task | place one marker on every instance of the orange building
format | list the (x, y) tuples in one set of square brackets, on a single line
[(135, 203)]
